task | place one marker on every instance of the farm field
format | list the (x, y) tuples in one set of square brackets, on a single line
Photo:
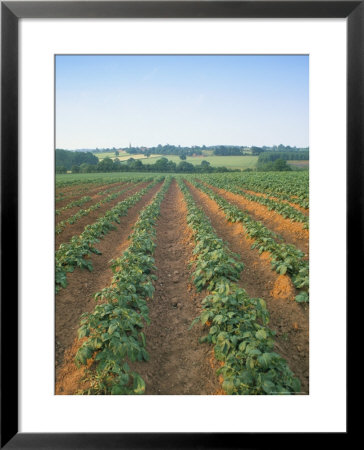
[(182, 284), (300, 164), (123, 156), (231, 162)]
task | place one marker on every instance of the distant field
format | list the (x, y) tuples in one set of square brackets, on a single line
[(231, 162), (123, 156), (109, 155), (304, 164)]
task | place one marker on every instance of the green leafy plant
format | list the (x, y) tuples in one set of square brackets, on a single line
[(237, 324), (114, 329)]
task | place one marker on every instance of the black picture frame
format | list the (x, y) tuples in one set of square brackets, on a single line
[(11, 12)]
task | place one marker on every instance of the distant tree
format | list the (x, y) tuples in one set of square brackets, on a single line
[(61, 169), (75, 169), (84, 168), (105, 165), (136, 165), (116, 153), (183, 157), (257, 150), (281, 165), (185, 166), (205, 166), (161, 164), (116, 164), (68, 159), (171, 166)]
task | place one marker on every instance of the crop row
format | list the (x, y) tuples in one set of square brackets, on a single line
[(75, 253), (238, 324), (285, 210), (79, 202), (292, 187), (84, 212), (285, 258), (86, 188), (76, 193), (65, 180), (114, 329)]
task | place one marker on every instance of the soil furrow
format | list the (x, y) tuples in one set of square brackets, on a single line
[(67, 213), (292, 232), (289, 319), (178, 363), (77, 228), (81, 192), (77, 297), (304, 211)]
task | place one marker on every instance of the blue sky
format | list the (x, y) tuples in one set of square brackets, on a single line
[(112, 100)]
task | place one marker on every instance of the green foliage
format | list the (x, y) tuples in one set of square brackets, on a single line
[(68, 158), (286, 258), (290, 186), (285, 210), (283, 156), (114, 329), (74, 203), (279, 165), (84, 212), (238, 328), (61, 169), (76, 252)]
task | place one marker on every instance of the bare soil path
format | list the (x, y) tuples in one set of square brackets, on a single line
[(178, 363), (289, 319)]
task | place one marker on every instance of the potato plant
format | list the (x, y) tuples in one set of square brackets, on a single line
[(114, 329), (238, 331), (73, 254), (286, 258), (84, 212), (292, 187), (285, 210)]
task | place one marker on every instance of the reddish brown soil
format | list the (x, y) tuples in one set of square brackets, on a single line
[(78, 227), (289, 319), (77, 192), (178, 363), (291, 232), (77, 297), (72, 193), (69, 377), (259, 194), (65, 214)]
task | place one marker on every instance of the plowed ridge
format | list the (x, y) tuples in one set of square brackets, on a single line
[(178, 363), (77, 297), (287, 318), (291, 232)]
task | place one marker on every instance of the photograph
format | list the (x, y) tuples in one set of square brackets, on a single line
[(181, 224)]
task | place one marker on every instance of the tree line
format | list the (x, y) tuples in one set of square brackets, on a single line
[(67, 159), (286, 156), (136, 165)]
